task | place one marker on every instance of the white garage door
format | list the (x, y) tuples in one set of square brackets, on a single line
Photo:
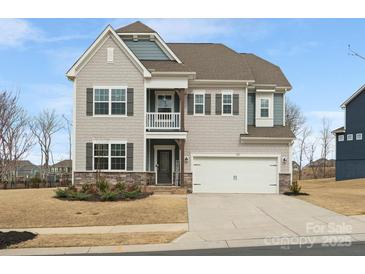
[(235, 175)]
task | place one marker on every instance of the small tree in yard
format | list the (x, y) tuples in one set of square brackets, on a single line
[(326, 138), (44, 126), (302, 144), (310, 153), (294, 117), (16, 139)]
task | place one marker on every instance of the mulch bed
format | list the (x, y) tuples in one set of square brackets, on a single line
[(97, 198), (295, 194), (14, 237)]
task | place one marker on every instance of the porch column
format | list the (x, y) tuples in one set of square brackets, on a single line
[(181, 93), (181, 144)]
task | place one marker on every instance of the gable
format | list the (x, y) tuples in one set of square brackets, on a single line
[(87, 55)]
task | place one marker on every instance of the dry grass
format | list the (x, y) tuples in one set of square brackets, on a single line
[(344, 197), (67, 240), (24, 208)]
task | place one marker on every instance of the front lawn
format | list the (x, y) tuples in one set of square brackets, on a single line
[(24, 208), (112, 239), (344, 197)]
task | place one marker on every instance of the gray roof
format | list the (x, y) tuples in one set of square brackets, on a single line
[(212, 61), (269, 132), (136, 27), (172, 66), (264, 72), (64, 163), (339, 130)]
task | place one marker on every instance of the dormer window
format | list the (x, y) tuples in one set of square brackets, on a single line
[(264, 108)]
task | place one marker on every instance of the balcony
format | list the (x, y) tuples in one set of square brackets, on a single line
[(163, 121)]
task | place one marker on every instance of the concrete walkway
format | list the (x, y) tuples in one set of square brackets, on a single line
[(105, 229)]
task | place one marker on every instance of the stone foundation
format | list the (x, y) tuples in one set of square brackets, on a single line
[(284, 182), (188, 181), (142, 178)]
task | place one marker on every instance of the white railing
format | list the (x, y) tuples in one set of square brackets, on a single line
[(166, 120)]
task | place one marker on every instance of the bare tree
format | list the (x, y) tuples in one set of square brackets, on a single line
[(302, 143), (326, 139), (310, 153), (69, 132), (44, 126), (16, 139), (294, 117)]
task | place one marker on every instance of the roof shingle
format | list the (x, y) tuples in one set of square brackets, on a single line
[(136, 27), (269, 132)]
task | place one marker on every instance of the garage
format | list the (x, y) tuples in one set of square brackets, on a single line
[(228, 174)]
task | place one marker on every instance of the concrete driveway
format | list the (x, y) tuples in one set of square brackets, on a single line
[(240, 218)]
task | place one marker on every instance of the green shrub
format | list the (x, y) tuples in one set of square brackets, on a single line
[(119, 187), (102, 185), (80, 196), (89, 189), (61, 193), (295, 187), (108, 196), (131, 194)]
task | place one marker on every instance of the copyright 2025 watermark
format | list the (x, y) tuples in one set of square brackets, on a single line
[(327, 235)]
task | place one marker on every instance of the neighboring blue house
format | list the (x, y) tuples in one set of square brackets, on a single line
[(350, 143)]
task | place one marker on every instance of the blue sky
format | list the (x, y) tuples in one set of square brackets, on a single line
[(36, 53)]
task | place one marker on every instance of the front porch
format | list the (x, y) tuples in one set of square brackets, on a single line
[(165, 157)]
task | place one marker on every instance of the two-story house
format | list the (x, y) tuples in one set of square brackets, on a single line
[(195, 115), (350, 144)]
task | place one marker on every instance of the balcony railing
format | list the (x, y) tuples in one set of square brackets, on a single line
[(166, 120)]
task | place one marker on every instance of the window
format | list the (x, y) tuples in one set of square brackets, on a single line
[(264, 108), (110, 55), (199, 103), (358, 136), (110, 156), (227, 103), (164, 103), (341, 138), (117, 156), (101, 154), (110, 101), (350, 137)]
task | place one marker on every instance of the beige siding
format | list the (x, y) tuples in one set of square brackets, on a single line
[(97, 72), (217, 134)]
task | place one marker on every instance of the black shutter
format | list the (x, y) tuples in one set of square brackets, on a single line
[(89, 156), (130, 99), (207, 104), (190, 104), (236, 104), (218, 104), (129, 156), (89, 102)]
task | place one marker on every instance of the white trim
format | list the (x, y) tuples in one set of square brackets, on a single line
[(239, 155), (156, 148), (351, 137), (246, 110), (227, 92), (109, 88), (164, 93), (110, 55), (284, 109), (73, 145), (265, 90), (110, 142), (144, 126), (361, 89), (166, 135), (341, 137), (358, 136), (199, 92), (71, 73), (263, 108)]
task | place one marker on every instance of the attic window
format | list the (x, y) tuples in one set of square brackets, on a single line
[(110, 55)]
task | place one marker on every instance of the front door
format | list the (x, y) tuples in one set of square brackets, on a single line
[(164, 167)]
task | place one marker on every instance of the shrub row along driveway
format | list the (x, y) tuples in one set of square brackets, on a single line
[(23, 208)]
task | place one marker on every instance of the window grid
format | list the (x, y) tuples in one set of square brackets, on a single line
[(350, 137), (110, 156), (199, 104), (358, 136), (227, 104), (264, 108), (341, 138), (110, 101)]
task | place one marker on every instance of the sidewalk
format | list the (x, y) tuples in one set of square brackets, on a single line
[(105, 229)]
